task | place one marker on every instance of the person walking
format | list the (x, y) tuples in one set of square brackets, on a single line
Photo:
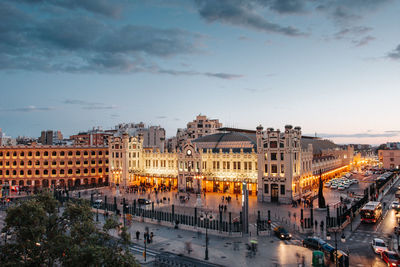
[(137, 235)]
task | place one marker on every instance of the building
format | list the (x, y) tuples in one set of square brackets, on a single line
[(276, 166), (393, 145), (390, 159), (202, 126), (94, 137), (50, 137), (153, 136), (6, 140), (197, 128), (44, 166)]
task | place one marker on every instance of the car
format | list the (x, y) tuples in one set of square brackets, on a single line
[(378, 245), (334, 186), (341, 187), (328, 184), (282, 233), (391, 258), (97, 203), (313, 242), (354, 181), (143, 201), (395, 204)]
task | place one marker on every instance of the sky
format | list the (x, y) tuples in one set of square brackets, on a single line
[(331, 67)]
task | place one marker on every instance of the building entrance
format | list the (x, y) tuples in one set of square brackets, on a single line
[(274, 193), (189, 184)]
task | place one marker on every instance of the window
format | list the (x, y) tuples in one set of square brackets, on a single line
[(46, 153), (69, 153), (54, 172), (37, 172), (266, 168), (62, 153), (21, 172), (30, 163), (45, 172), (93, 153), (281, 144), (30, 154), (61, 171), (85, 153), (29, 172), (21, 163), (93, 170), (77, 153), (54, 153), (62, 163), (85, 171), (69, 163), (14, 154), (266, 188), (391, 159), (238, 165), (282, 189), (45, 163), (21, 154), (86, 162), (273, 156), (54, 163), (14, 163), (100, 170), (282, 168), (93, 162), (282, 156), (100, 153), (273, 144), (14, 172), (69, 171), (274, 168), (37, 163), (77, 171)]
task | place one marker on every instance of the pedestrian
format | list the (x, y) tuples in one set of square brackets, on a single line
[(151, 237), (168, 200), (137, 235)]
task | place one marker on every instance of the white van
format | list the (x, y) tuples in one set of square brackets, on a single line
[(97, 203)]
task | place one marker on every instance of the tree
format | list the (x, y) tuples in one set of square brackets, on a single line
[(321, 199), (44, 237)]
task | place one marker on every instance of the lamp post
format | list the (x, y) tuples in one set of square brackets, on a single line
[(206, 216), (97, 207), (335, 230)]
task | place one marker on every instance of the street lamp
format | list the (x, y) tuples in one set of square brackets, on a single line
[(206, 216), (97, 207), (342, 238)]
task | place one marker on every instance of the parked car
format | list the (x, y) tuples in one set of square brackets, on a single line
[(328, 184), (391, 258), (334, 186), (354, 181), (97, 203), (378, 245), (282, 233), (142, 201), (341, 187), (313, 242)]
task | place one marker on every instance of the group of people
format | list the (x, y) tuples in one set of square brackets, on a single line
[(146, 236)]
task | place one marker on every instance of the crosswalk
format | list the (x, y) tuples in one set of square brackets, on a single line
[(360, 236), (295, 240), (139, 249)]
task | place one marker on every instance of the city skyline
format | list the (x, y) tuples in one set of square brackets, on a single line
[(330, 68)]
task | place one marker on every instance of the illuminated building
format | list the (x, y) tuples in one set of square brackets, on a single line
[(44, 166)]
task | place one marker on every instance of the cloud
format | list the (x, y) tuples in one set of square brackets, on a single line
[(220, 75), (28, 109), (395, 54), (99, 107), (104, 7), (36, 43), (241, 13), (343, 11), (358, 135), (364, 41), (161, 117), (89, 105), (352, 31), (287, 6)]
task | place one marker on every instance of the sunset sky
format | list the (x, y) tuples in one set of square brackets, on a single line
[(330, 66)]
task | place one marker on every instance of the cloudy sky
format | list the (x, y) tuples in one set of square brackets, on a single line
[(329, 66)]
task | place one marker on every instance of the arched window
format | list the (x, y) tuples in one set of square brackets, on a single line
[(54, 172), (21, 172), (45, 172), (46, 153), (93, 170), (85, 170), (54, 153), (69, 171), (62, 171), (37, 154)]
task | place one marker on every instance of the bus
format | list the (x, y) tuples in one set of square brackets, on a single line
[(371, 212)]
